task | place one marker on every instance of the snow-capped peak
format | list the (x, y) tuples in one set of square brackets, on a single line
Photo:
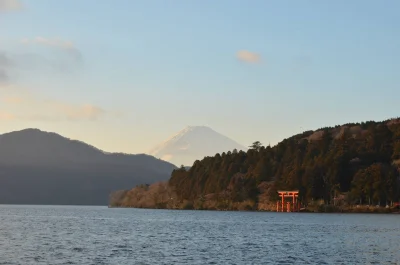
[(192, 143)]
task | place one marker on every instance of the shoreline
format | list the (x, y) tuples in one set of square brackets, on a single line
[(301, 212)]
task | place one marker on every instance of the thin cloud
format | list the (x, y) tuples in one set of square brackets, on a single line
[(4, 60), (64, 45), (15, 64), (10, 5), (5, 88), (3, 76), (49, 110), (36, 62), (6, 116), (12, 100), (248, 57), (78, 112), (5, 63)]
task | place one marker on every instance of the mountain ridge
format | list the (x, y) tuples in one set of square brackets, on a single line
[(46, 159)]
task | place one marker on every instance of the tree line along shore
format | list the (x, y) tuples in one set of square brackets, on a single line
[(349, 168)]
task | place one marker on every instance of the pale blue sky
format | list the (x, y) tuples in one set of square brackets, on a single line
[(155, 67)]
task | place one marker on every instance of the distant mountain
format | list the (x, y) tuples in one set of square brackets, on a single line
[(194, 143), (39, 167)]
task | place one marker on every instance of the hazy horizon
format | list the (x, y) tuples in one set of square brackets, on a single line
[(124, 76)]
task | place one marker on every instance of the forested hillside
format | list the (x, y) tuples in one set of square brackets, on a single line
[(38, 167), (356, 162)]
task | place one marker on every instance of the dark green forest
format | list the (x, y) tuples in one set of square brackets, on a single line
[(358, 162)]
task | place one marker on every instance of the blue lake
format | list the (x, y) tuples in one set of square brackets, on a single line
[(99, 235)]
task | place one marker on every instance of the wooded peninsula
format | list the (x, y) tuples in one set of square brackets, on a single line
[(349, 168)]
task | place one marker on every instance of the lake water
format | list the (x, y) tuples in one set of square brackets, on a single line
[(98, 235)]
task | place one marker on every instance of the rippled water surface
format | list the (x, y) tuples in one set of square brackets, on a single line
[(98, 235)]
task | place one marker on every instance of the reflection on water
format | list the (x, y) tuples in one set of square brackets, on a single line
[(98, 235)]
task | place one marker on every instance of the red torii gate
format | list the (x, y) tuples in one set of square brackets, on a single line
[(294, 194)]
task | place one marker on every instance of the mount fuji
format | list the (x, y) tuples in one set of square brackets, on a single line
[(194, 143)]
